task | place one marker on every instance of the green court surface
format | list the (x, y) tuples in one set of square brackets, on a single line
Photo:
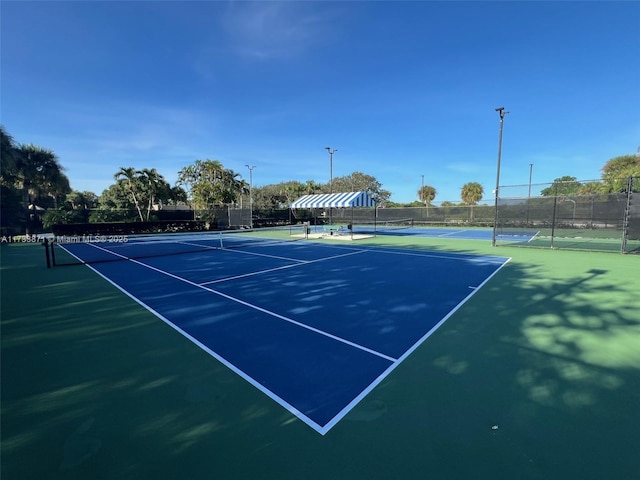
[(536, 377)]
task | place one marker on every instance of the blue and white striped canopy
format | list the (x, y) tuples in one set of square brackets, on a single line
[(335, 200)]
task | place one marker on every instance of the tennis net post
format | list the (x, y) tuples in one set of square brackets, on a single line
[(45, 244)]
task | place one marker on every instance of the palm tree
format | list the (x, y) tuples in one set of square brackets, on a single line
[(292, 190), (154, 183), (244, 189), (616, 172), (130, 175), (592, 188), (57, 186), (311, 187), (233, 186), (38, 175), (426, 194), (82, 202), (10, 195), (8, 154), (471, 194), (177, 194), (204, 184)]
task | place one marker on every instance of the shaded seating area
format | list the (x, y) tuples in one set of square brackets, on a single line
[(330, 201)]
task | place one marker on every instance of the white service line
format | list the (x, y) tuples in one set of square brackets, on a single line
[(300, 262), (408, 352), (451, 233), (260, 309)]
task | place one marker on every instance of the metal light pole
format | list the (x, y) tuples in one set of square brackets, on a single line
[(331, 152), (502, 113), (529, 196), (251, 193)]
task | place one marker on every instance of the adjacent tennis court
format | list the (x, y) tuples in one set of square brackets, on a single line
[(314, 326), (407, 227)]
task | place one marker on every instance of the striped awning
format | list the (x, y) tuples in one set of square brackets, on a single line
[(335, 200)]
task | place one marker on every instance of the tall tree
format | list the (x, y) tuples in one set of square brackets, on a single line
[(616, 172), (244, 188), (290, 191), (39, 174), (592, 188), (11, 214), (471, 194), (562, 186), (82, 202), (57, 187), (209, 184), (131, 177), (136, 190), (40, 178), (177, 195), (8, 157), (154, 184), (268, 197), (311, 187), (426, 194), (115, 204), (233, 186), (361, 182)]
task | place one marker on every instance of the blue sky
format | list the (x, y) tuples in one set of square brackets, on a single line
[(401, 89)]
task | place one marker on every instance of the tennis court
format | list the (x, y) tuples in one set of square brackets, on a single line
[(407, 227), (321, 359), (314, 326)]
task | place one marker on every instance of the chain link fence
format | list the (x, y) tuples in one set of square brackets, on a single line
[(476, 215), (559, 215), (570, 215)]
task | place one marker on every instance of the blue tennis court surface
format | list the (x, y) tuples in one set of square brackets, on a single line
[(314, 326), (461, 233)]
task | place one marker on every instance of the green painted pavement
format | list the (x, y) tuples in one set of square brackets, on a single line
[(536, 377)]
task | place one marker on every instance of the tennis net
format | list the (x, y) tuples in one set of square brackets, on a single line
[(88, 249), (382, 226)]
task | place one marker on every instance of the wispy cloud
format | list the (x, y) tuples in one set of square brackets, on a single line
[(106, 137), (273, 30), (464, 167)]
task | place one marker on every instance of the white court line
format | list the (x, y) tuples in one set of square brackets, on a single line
[(416, 253), (256, 307), (260, 272), (305, 419), (404, 356), (455, 256), (241, 373), (451, 233)]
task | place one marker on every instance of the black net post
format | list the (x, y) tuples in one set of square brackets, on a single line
[(45, 243), (53, 254)]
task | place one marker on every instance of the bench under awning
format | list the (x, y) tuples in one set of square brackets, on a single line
[(334, 200)]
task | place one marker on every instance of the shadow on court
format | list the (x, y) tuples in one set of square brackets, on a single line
[(536, 377)]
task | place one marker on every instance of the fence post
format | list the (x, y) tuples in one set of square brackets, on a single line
[(553, 219), (627, 216)]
